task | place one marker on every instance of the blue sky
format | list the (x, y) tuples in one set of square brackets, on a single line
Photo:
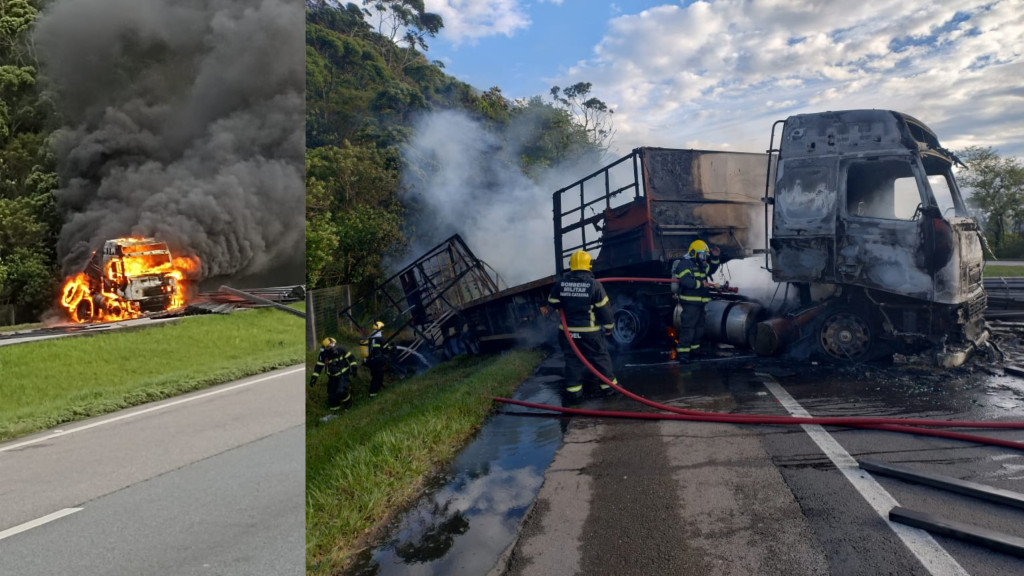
[(717, 74)]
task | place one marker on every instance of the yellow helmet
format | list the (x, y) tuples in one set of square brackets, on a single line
[(378, 325), (697, 246), (580, 260), (328, 342)]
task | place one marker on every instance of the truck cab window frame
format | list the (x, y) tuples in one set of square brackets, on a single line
[(883, 188)]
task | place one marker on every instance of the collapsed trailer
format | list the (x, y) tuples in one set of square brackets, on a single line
[(858, 211)]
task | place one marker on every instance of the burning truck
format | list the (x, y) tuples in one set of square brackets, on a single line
[(127, 278), (856, 213)]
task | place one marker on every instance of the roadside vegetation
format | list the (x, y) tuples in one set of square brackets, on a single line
[(372, 461), (17, 327), (60, 380), (998, 271)]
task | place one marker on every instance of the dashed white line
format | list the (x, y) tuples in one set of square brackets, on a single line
[(59, 433), (920, 543), (37, 522)]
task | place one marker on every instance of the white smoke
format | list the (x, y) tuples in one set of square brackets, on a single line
[(462, 178)]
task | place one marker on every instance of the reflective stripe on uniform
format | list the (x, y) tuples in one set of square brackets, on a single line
[(554, 300), (683, 349), (603, 302), (584, 328), (574, 389), (687, 298)]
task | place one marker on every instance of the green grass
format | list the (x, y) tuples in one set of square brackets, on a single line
[(372, 460), (50, 382), (16, 327), (996, 271)]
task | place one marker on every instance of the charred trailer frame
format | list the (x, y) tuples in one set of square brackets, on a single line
[(866, 210), (641, 213), (427, 297)]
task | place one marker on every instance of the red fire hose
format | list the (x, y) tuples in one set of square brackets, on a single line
[(907, 425)]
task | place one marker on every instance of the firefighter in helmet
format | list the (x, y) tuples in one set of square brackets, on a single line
[(341, 367), (378, 351), (588, 314), (693, 273)]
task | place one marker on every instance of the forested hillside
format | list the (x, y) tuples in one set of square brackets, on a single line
[(368, 80), (28, 270)]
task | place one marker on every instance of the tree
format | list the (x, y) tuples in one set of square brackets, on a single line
[(353, 217), (402, 21), (28, 217), (996, 187), (592, 113)]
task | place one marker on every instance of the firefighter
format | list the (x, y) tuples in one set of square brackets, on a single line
[(378, 351), (693, 272), (588, 313), (341, 366)]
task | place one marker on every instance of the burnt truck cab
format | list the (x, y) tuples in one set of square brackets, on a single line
[(867, 212), (127, 277)]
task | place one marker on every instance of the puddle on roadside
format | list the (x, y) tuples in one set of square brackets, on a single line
[(467, 518)]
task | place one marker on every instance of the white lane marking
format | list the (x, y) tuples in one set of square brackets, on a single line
[(59, 433), (934, 557), (37, 522)]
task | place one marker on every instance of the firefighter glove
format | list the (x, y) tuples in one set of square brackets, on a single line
[(312, 381)]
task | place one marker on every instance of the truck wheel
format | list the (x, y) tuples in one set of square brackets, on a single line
[(845, 335), (630, 326), (85, 310)]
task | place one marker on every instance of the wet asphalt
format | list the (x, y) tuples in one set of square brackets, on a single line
[(599, 496)]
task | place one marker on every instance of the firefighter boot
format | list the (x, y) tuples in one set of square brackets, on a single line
[(572, 396)]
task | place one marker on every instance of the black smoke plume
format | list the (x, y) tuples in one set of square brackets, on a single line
[(183, 120)]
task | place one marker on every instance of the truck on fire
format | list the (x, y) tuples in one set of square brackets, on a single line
[(857, 212), (126, 278)]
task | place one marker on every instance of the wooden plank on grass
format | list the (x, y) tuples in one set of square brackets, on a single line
[(973, 489), (959, 530)]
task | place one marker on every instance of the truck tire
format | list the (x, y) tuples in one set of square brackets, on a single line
[(846, 335), (631, 324)]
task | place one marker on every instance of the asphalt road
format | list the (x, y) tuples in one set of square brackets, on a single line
[(688, 498), (207, 483)]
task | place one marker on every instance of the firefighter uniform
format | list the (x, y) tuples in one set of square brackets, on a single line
[(588, 314), (377, 358), (691, 272), (341, 366)]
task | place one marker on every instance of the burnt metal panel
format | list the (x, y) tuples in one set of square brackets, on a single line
[(847, 131), (802, 259)]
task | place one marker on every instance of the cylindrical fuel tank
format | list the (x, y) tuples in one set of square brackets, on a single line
[(732, 322)]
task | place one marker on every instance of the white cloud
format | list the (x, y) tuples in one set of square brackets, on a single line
[(718, 73), (470, 20)]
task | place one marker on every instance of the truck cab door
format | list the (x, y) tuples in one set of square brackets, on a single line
[(880, 238), (804, 220)]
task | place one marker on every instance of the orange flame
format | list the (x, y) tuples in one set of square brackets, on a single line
[(107, 298)]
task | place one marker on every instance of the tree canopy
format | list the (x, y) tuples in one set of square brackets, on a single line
[(28, 217), (996, 186)]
